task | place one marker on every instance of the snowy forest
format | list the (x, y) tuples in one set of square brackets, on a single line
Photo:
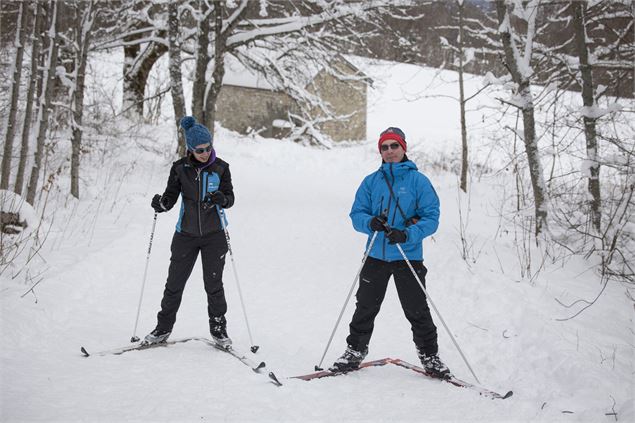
[(520, 112)]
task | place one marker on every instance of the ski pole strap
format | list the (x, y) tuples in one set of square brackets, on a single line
[(394, 197), (413, 220)]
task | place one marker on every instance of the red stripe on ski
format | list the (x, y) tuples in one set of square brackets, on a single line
[(453, 380), (327, 373), (398, 362)]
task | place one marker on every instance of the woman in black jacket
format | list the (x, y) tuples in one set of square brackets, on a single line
[(204, 183)]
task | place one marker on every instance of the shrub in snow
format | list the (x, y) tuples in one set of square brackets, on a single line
[(16, 215), (18, 222)]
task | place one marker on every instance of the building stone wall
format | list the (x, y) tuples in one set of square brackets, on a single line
[(243, 109), (346, 98)]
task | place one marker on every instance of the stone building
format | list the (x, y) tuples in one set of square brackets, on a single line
[(249, 103)]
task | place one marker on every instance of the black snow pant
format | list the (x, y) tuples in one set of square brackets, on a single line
[(373, 281), (185, 249)]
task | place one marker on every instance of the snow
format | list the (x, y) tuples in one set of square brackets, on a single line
[(469, 55), (297, 254), (281, 123), (585, 168), (595, 112), (238, 75), (263, 9), (13, 203), (490, 79)]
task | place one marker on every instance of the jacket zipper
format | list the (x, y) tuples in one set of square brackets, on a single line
[(394, 215), (198, 203), (387, 215)]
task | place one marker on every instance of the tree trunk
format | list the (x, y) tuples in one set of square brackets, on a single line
[(533, 159), (20, 38), (213, 89), (202, 60), (176, 79), (45, 100), (464, 161), (41, 60), (131, 102), (137, 66), (28, 111), (531, 145), (84, 23), (579, 24)]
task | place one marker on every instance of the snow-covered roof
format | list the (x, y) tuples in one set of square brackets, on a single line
[(237, 74)]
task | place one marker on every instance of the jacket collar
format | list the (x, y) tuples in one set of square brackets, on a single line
[(398, 168), (191, 160)]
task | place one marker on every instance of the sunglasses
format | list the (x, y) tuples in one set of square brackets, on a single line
[(393, 146), (203, 150)]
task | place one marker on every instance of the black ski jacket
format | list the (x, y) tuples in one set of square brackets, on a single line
[(192, 182)]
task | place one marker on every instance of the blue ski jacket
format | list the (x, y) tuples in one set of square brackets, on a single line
[(413, 194)]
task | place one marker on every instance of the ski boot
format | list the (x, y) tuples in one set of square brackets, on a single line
[(433, 365), (350, 360), (218, 330), (156, 336)]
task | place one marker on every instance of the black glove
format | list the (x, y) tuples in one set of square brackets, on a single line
[(395, 236), (157, 204), (213, 198), (378, 224)]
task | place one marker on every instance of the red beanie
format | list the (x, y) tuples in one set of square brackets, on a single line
[(393, 133)]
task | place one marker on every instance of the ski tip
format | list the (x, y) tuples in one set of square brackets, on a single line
[(508, 394), (254, 348), (84, 352), (274, 379)]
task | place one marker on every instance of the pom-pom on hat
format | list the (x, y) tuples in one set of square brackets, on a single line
[(393, 133), (195, 133)]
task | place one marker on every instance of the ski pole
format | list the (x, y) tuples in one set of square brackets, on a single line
[(221, 216), (436, 311), (135, 338), (348, 297)]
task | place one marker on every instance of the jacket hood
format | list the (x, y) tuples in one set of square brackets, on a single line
[(398, 168)]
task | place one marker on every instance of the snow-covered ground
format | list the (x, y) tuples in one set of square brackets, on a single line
[(296, 255)]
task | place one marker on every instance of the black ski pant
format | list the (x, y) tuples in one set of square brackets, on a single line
[(373, 281), (185, 249)]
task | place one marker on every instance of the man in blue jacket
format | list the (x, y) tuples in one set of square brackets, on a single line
[(400, 204), (204, 183)]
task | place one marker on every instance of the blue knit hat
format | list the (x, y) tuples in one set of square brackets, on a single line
[(195, 133)]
